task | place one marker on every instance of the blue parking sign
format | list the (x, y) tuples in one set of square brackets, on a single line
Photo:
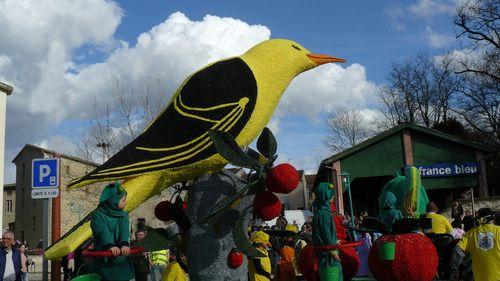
[(45, 173)]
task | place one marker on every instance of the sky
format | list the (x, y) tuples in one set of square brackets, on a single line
[(63, 56)]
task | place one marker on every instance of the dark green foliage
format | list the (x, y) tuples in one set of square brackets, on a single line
[(240, 239), (266, 144), (157, 239), (227, 147), (179, 216)]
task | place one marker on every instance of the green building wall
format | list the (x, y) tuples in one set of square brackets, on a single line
[(386, 157), (379, 159), (428, 149)]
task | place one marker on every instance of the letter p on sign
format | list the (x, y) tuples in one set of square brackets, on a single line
[(44, 172)]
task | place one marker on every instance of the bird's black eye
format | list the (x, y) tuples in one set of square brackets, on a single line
[(295, 47)]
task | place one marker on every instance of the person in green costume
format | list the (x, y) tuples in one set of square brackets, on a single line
[(111, 231), (389, 214), (411, 198), (324, 234)]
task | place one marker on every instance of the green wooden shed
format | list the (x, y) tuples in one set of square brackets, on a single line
[(449, 165)]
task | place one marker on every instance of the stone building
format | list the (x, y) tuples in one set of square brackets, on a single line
[(9, 206), (75, 203)]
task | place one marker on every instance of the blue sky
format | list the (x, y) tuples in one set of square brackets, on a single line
[(61, 56)]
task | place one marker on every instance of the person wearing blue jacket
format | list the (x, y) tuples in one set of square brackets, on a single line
[(10, 258)]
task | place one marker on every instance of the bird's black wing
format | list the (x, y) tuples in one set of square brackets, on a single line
[(221, 96)]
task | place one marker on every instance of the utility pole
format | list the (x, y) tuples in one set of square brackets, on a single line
[(5, 90), (104, 146)]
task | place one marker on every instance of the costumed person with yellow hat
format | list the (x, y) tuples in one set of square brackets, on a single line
[(259, 268), (482, 243), (324, 234), (176, 269), (111, 231)]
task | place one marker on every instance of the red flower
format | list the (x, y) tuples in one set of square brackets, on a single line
[(163, 211), (416, 259), (234, 259), (283, 178), (266, 206)]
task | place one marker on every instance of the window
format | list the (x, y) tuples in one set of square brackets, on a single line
[(33, 223), (8, 206), (22, 197)]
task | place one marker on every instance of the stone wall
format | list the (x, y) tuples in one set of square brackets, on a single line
[(491, 202), (9, 206)]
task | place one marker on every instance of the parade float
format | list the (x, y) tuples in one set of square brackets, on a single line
[(213, 114)]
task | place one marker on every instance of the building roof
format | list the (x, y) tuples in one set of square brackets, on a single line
[(9, 186), (399, 128), (310, 179), (301, 173), (44, 150)]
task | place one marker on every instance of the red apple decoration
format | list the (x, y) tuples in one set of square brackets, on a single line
[(163, 211), (266, 206), (234, 259), (415, 259), (283, 178)]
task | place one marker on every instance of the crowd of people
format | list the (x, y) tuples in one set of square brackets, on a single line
[(468, 241), (468, 245)]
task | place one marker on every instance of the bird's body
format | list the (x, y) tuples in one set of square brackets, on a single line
[(237, 95)]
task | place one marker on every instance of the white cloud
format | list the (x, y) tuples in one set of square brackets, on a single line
[(327, 88), (60, 144), (437, 40), (52, 84), (274, 125), (430, 8), (396, 15)]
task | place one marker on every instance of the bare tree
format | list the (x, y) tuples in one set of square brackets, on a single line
[(479, 26), (346, 128), (419, 90), (118, 122)]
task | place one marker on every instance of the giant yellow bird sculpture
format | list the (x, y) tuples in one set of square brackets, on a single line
[(237, 95)]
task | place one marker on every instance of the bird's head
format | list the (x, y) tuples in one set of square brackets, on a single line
[(287, 56)]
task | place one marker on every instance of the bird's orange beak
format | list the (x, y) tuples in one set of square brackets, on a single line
[(322, 59)]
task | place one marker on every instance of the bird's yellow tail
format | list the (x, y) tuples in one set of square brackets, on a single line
[(138, 189)]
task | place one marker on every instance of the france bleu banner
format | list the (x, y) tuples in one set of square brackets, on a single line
[(448, 169)]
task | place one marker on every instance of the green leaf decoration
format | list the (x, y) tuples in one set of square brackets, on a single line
[(179, 216), (240, 239), (157, 239), (266, 144), (226, 202), (227, 147)]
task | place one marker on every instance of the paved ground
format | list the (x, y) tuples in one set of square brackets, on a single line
[(35, 274)]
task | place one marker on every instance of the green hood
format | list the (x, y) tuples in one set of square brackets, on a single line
[(324, 193), (110, 197), (388, 201)]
